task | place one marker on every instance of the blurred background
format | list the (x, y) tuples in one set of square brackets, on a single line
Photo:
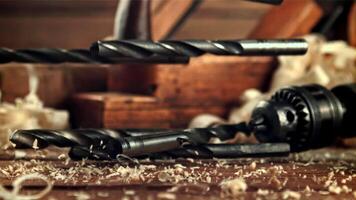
[(76, 24)]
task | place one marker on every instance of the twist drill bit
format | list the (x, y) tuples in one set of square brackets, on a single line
[(47, 55), (198, 151), (193, 48), (131, 142)]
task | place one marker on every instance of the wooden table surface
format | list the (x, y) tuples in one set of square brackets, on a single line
[(322, 174)]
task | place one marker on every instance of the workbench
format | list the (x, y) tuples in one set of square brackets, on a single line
[(321, 174)]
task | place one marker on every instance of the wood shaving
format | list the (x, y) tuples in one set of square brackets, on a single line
[(253, 165), (166, 195), (262, 192), (288, 194), (80, 195), (233, 187), (14, 194), (102, 194), (35, 144), (62, 156), (334, 189), (275, 182), (129, 192)]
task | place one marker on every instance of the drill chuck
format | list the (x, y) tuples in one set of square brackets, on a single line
[(306, 117)]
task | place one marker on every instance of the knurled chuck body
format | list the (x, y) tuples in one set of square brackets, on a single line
[(306, 117)]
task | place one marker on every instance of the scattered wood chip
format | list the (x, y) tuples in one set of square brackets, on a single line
[(288, 194), (166, 195), (233, 187)]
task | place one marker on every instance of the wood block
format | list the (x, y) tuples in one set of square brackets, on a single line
[(56, 82), (292, 18), (166, 14), (208, 80), (115, 110)]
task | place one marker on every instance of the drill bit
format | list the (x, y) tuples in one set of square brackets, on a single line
[(193, 48), (197, 151), (131, 142), (57, 55), (47, 55)]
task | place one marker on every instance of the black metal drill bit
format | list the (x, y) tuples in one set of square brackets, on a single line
[(57, 55), (48, 55), (197, 151), (193, 48), (131, 142)]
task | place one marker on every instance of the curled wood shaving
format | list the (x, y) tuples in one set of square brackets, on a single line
[(122, 157), (17, 186)]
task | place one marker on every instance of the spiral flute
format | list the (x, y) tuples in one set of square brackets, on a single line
[(47, 55)]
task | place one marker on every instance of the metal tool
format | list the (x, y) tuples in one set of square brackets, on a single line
[(197, 151), (306, 117), (47, 55), (192, 48), (130, 142)]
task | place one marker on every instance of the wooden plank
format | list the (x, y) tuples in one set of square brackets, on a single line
[(115, 110), (166, 16), (206, 80), (308, 175), (223, 19), (291, 19), (64, 79)]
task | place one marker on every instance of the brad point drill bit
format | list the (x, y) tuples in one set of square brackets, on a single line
[(193, 48)]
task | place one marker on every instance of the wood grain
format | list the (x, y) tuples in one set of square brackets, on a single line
[(56, 82), (166, 15), (352, 26), (113, 110), (291, 19), (195, 179)]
